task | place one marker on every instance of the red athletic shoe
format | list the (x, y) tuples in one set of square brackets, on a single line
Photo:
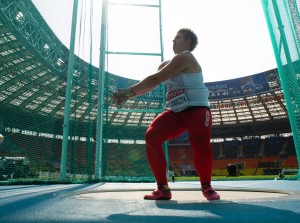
[(159, 194), (210, 194)]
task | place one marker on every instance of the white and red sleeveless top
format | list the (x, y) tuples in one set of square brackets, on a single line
[(185, 90)]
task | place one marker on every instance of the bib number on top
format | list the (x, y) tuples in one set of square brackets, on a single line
[(176, 100)]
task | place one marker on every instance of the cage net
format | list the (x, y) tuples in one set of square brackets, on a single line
[(284, 26), (122, 152), (38, 100)]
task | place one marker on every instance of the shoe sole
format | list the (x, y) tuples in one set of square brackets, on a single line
[(213, 199)]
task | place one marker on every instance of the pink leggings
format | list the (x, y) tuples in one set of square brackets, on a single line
[(168, 125)]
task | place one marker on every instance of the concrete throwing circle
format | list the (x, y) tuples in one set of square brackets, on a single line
[(184, 195)]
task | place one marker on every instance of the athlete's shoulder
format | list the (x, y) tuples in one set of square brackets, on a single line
[(185, 54)]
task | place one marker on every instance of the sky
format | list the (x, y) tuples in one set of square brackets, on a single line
[(233, 35)]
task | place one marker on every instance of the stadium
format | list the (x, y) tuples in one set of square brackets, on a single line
[(60, 125), (246, 113)]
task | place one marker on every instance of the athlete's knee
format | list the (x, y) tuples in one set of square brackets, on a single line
[(201, 146), (150, 135), (152, 138)]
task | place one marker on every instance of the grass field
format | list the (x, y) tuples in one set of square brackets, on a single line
[(222, 178), (27, 181)]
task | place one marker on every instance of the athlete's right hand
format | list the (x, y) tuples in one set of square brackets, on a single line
[(122, 95)]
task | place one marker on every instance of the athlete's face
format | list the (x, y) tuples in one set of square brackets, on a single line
[(180, 43)]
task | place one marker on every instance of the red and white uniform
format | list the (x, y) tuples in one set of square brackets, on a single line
[(187, 109)]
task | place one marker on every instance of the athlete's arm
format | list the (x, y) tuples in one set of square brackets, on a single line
[(179, 63)]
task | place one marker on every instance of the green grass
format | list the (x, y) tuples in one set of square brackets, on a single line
[(27, 181), (222, 178)]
